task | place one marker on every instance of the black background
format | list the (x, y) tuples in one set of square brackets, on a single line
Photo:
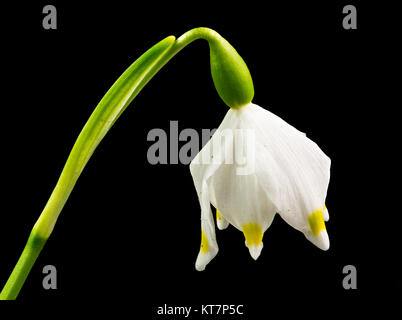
[(128, 237)]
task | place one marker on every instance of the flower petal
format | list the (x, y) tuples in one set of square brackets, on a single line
[(209, 247), (325, 213), (237, 193), (221, 222), (292, 169), (202, 168), (317, 233), (253, 234)]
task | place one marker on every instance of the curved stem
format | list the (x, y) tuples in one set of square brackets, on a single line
[(192, 35), (109, 109)]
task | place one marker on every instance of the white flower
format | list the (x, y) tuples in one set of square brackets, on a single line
[(284, 173)]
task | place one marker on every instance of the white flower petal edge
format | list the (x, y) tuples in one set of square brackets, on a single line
[(221, 222), (287, 173)]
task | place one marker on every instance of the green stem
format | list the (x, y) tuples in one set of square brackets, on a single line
[(23, 267), (109, 109)]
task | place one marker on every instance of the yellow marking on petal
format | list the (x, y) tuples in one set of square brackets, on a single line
[(316, 222), (218, 215), (253, 233), (204, 243), (325, 208)]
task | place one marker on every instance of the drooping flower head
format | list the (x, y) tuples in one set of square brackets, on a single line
[(254, 166)]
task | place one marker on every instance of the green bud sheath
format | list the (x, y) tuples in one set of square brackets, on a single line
[(230, 74)]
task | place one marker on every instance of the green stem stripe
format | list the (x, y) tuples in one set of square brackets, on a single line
[(109, 109)]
